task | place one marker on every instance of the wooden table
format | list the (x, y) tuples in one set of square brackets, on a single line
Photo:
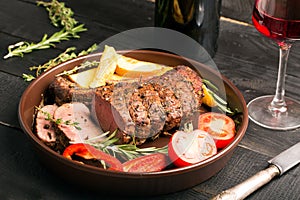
[(247, 58)]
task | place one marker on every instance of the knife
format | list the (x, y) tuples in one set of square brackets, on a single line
[(278, 166)]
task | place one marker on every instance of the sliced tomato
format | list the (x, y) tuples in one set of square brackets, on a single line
[(219, 126), (87, 151), (187, 148), (149, 163)]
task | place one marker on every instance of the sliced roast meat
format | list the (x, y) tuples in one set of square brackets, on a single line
[(142, 108), (44, 126), (76, 122), (146, 108)]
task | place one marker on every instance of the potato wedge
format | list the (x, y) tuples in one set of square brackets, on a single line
[(84, 78), (114, 67), (106, 68), (130, 67)]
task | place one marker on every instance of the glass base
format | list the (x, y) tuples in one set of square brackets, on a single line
[(261, 115)]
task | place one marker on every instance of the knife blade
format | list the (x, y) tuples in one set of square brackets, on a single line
[(277, 166)]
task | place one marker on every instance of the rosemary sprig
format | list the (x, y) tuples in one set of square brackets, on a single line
[(129, 151), (20, 48), (66, 55), (59, 14), (58, 121)]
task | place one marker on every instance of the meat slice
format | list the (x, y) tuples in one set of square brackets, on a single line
[(44, 127), (146, 110), (194, 78), (111, 110), (184, 102), (76, 122), (66, 91)]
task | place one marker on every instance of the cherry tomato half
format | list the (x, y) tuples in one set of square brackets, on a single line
[(187, 148), (148, 163), (219, 126)]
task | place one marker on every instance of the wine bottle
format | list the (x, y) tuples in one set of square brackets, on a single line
[(198, 19)]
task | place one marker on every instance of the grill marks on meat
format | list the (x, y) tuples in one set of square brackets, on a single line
[(145, 109)]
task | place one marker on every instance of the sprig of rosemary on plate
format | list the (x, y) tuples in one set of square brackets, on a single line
[(57, 12), (105, 142), (66, 55)]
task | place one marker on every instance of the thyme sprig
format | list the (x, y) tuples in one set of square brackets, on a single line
[(58, 121), (105, 142), (59, 14), (84, 65), (62, 57)]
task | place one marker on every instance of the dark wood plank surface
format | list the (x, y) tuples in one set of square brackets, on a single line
[(244, 56)]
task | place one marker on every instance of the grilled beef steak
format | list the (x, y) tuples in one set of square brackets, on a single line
[(145, 109)]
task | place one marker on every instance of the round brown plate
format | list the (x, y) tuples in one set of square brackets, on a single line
[(154, 183)]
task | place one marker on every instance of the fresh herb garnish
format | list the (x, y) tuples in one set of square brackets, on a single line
[(105, 143), (21, 48), (57, 13), (58, 121), (84, 65), (66, 55)]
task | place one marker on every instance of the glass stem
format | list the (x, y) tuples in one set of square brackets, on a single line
[(278, 103)]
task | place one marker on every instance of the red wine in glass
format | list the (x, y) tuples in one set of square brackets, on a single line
[(280, 21)]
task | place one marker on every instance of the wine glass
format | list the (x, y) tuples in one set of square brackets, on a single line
[(280, 21)]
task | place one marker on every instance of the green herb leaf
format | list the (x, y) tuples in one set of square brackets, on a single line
[(66, 55), (59, 14), (129, 151), (21, 48), (58, 121)]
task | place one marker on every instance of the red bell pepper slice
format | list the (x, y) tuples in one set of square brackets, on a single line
[(87, 151)]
